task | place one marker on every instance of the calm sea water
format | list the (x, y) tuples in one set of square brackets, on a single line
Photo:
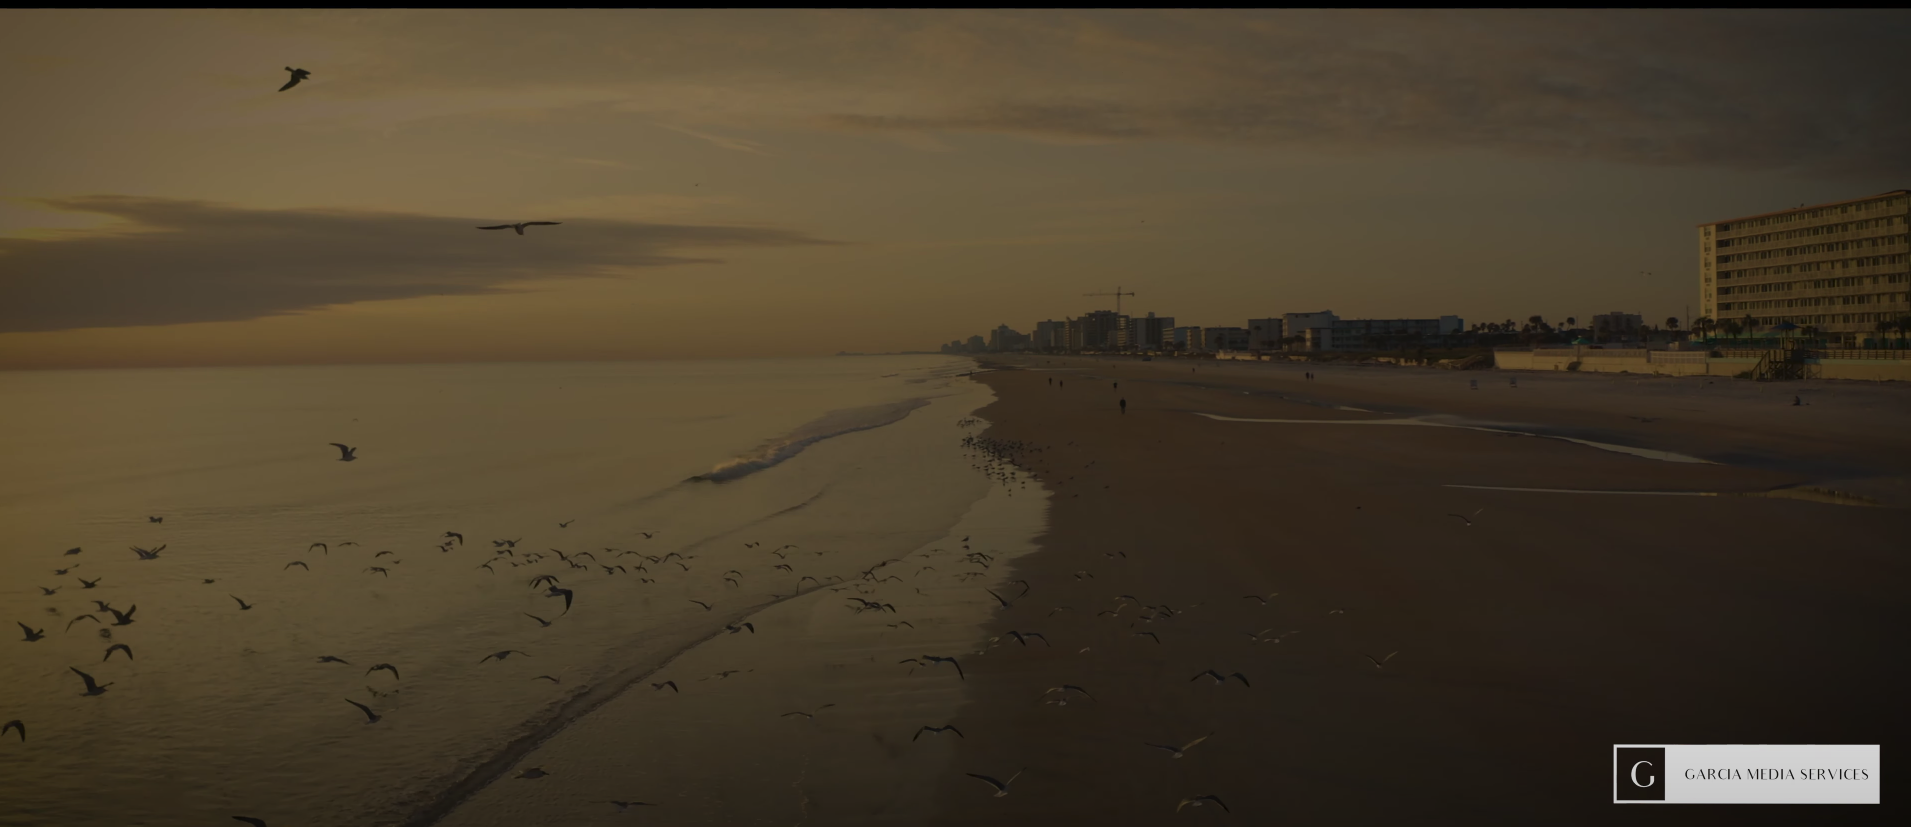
[(226, 710)]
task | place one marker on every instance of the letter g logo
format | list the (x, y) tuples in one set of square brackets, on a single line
[(1636, 772), (1650, 780)]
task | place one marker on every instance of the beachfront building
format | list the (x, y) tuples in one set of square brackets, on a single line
[(1049, 335), (1618, 327), (1184, 339), (1002, 338), (1217, 339), (1146, 332), (1296, 325), (1836, 271), (1265, 334), (1382, 333), (1096, 330)]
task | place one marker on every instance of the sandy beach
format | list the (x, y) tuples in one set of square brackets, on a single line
[(1524, 644), (1519, 644)]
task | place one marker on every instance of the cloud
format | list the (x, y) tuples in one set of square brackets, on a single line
[(1809, 90), (176, 262)]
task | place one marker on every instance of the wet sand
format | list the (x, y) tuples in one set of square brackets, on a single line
[(1528, 642)]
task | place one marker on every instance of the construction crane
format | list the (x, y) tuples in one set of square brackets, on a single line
[(1117, 294)]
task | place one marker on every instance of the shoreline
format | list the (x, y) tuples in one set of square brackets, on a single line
[(1532, 634)]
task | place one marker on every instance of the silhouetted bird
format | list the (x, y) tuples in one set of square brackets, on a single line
[(521, 225), (297, 75)]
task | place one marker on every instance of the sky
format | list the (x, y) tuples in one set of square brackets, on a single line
[(771, 183)]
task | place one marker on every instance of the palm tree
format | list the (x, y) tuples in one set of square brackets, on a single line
[(1884, 328), (1672, 323), (1904, 326), (1748, 322), (1731, 328)]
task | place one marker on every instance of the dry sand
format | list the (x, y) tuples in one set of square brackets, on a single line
[(1529, 642)]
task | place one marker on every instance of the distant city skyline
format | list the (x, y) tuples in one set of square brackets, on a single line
[(764, 183)]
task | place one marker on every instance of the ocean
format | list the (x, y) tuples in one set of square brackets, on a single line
[(697, 478)]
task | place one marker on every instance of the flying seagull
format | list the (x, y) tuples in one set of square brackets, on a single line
[(242, 604), (72, 551), (69, 624), (15, 724), (155, 519), (564, 593), (331, 659), (521, 225), (1179, 751), (255, 822), (120, 647), (370, 716), (1001, 787), (33, 635), (1378, 663), (297, 75), (346, 453), (567, 523), (1202, 799), (809, 715), (452, 534), (91, 687), (1220, 678), (625, 805), (672, 684), (385, 666), (706, 606), (738, 627), (148, 555), (945, 728), (502, 655), (124, 618), (299, 563), (545, 678), (533, 773), (540, 621), (931, 659), (1022, 638)]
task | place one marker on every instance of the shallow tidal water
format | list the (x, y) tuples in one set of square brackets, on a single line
[(224, 710)]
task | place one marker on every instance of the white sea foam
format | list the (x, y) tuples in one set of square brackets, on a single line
[(832, 424)]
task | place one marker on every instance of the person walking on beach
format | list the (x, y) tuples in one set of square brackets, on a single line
[(1051, 381), (1117, 386), (1124, 406)]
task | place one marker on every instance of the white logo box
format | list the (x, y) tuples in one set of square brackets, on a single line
[(1760, 773)]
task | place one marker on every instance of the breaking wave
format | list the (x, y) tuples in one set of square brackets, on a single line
[(832, 424)]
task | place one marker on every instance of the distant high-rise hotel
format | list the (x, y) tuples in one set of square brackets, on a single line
[(1840, 268)]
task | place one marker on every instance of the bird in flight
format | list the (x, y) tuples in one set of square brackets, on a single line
[(155, 519), (1378, 663), (49, 592), (15, 725), (33, 635), (809, 715), (706, 606), (380, 569), (1157, 638), (453, 534), (331, 659), (69, 624), (939, 729), (521, 225), (117, 647), (255, 822), (72, 551), (541, 622), (1022, 638), (546, 678), (533, 773), (738, 627), (625, 805), (124, 618), (567, 523), (1260, 637), (1001, 787), (1177, 752), (1200, 800), (672, 684), (345, 452), (932, 659), (299, 563), (297, 75), (242, 604), (92, 688), (1220, 678), (502, 655), (370, 716), (385, 666), (148, 555), (564, 593), (1260, 599)]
